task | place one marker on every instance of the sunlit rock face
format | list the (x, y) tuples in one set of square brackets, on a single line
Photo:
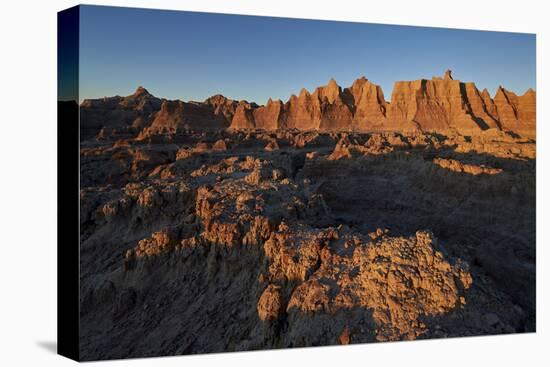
[(441, 104), (334, 218), (117, 115), (515, 113), (369, 105)]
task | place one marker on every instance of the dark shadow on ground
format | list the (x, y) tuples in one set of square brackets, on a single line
[(487, 220)]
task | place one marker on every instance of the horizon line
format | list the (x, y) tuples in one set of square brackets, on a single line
[(386, 98)]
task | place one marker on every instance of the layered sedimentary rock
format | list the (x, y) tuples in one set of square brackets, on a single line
[(117, 114), (368, 104), (144, 114), (351, 223), (506, 103), (214, 242), (271, 116), (481, 108), (243, 118), (176, 117), (517, 114), (222, 105), (328, 108), (303, 112), (527, 108), (490, 106), (335, 113), (441, 104)]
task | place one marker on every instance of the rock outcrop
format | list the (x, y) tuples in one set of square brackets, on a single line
[(243, 118), (222, 106), (328, 108), (527, 108), (118, 115), (441, 104), (176, 117), (517, 114), (271, 116), (335, 114), (481, 107), (368, 104), (225, 240), (303, 112)]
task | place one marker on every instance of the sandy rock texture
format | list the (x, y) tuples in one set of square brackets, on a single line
[(213, 240), (441, 104)]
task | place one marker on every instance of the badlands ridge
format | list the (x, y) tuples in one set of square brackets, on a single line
[(440, 104), (334, 218)]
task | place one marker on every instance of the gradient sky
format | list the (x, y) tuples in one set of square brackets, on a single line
[(191, 56)]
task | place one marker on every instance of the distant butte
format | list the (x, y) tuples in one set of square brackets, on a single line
[(441, 104)]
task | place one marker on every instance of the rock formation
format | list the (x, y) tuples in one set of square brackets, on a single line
[(441, 104), (176, 117), (243, 118), (369, 105), (230, 240), (120, 115), (303, 112), (222, 106), (517, 114), (527, 109), (335, 114), (335, 217), (271, 116), (481, 107)]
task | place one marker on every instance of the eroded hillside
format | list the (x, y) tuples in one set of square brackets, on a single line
[(210, 240)]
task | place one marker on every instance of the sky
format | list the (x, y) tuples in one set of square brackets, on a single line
[(191, 56)]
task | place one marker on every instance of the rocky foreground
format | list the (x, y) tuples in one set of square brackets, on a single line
[(334, 218), (224, 240)]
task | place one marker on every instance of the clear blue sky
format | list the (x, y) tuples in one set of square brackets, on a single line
[(191, 56)]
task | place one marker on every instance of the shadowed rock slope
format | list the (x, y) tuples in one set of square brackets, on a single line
[(223, 240)]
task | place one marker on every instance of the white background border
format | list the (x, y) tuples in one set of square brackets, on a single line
[(28, 181)]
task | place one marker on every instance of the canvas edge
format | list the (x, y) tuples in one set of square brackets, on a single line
[(68, 145)]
